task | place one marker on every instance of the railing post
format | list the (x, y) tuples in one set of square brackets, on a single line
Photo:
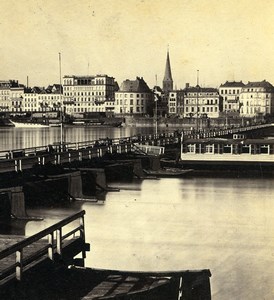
[(51, 245), (82, 234), (19, 264), (80, 155), (180, 289), (59, 241)]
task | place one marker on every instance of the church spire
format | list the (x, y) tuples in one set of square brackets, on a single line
[(168, 81)]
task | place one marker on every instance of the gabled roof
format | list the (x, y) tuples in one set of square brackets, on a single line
[(138, 85), (233, 84), (260, 84), (193, 89)]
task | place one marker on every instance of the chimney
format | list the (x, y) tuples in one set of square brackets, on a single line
[(187, 85)]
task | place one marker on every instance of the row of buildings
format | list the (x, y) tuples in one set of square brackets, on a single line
[(101, 93)]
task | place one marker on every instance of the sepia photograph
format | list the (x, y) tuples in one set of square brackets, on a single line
[(136, 150)]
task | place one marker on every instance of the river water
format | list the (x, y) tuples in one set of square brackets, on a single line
[(223, 224)]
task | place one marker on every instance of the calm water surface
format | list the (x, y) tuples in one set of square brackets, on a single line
[(224, 224)]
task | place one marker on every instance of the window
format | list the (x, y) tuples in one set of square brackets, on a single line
[(209, 149), (191, 148)]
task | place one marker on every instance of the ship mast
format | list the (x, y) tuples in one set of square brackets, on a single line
[(197, 101), (61, 108)]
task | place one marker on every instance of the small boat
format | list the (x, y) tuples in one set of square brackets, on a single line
[(168, 172), (28, 124)]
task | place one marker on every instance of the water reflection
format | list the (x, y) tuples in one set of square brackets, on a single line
[(16, 138), (223, 224)]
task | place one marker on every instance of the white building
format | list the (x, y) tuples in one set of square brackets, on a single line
[(230, 92), (39, 99), (5, 104), (134, 97), (257, 99), (201, 102), (88, 93)]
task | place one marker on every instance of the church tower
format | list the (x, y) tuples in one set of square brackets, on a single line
[(168, 81)]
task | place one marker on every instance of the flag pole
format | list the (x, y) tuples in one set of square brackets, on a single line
[(156, 123)]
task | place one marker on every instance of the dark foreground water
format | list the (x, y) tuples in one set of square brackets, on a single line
[(224, 224)]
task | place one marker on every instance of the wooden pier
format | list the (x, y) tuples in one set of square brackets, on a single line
[(43, 267), (20, 255)]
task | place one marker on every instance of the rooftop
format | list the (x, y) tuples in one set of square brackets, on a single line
[(193, 89), (138, 85), (233, 84)]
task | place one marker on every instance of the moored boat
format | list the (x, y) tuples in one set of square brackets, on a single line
[(223, 152), (28, 124), (168, 172)]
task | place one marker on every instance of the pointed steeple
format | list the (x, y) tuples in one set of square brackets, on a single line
[(168, 81)]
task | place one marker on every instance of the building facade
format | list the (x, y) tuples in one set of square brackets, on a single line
[(230, 92), (39, 99), (134, 97), (5, 104), (257, 99), (201, 102), (176, 103), (83, 94)]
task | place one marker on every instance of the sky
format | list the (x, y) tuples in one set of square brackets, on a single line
[(223, 39)]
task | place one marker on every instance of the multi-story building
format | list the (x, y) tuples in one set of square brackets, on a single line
[(134, 97), (16, 96), (5, 103), (88, 93), (201, 102), (230, 92), (257, 99), (176, 103), (39, 99)]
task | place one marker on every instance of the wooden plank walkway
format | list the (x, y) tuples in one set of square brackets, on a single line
[(19, 254), (37, 267), (90, 284)]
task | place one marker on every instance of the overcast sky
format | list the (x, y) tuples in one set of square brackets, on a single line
[(224, 39)]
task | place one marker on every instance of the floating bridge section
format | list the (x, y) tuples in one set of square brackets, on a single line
[(152, 144), (23, 159)]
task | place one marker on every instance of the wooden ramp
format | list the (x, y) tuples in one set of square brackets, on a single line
[(40, 268), (18, 254), (58, 282)]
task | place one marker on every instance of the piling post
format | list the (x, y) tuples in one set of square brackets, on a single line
[(19, 264), (82, 234), (59, 241), (51, 245)]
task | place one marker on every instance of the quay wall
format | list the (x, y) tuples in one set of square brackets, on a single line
[(203, 123)]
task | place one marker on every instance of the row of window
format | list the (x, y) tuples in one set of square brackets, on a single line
[(202, 109), (131, 110), (125, 95), (263, 149), (86, 88), (124, 102), (85, 94), (233, 92), (202, 101)]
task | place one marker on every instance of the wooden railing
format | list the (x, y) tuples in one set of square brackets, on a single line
[(66, 147), (52, 247)]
